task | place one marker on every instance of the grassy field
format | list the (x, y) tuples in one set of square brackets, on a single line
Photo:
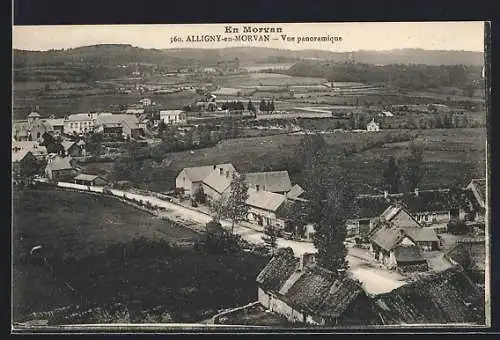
[(85, 238), (451, 156), (267, 79)]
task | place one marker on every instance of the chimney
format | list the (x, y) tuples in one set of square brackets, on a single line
[(416, 192), (257, 187), (221, 171), (306, 259)]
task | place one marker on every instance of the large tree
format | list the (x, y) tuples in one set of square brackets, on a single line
[(391, 176), (332, 205), (236, 207), (413, 167)]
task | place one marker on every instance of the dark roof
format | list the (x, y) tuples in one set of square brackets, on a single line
[(278, 270), (421, 234), (318, 292), (285, 210), (273, 181), (425, 201), (387, 238), (408, 254), (445, 297)]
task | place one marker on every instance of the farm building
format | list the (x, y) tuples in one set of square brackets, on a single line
[(59, 168), (372, 126), (386, 239), (303, 292), (74, 149), (218, 182), (434, 208), (440, 298), (190, 179), (119, 125), (263, 208), (272, 181), (399, 216), (173, 117), (20, 158), (90, 180)]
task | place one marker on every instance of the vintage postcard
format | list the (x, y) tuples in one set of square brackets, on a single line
[(250, 177)]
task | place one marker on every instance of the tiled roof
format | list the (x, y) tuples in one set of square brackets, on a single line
[(295, 191), (440, 298), (273, 181), (421, 234), (18, 156), (198, 173), (387, 238), (32, 146), (408, 254), (67, 144), (278, 270), (217, 181), (318, 292), (265, 200)]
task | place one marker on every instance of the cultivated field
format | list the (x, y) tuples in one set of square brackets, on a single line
[(86, 103)]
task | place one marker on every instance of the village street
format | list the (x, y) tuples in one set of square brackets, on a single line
[(374, 279)]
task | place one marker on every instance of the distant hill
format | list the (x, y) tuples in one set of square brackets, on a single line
[(117, 54)]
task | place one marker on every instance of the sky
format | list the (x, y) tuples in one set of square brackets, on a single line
[(468, 36)]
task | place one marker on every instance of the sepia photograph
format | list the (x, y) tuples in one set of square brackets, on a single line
[(250, 177)]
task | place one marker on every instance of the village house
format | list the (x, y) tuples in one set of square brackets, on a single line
[(79, 123), (218, 182), (145, 102), (272, 181), (119, 125), (306, 293), (74, 149), (90, 180), (372, 126), (59, 168), (395, 249), (21, 158), (190, 179), (263, 208), (39, 151), (445, 297), (432, 208), (56, 125), (173, 117)]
